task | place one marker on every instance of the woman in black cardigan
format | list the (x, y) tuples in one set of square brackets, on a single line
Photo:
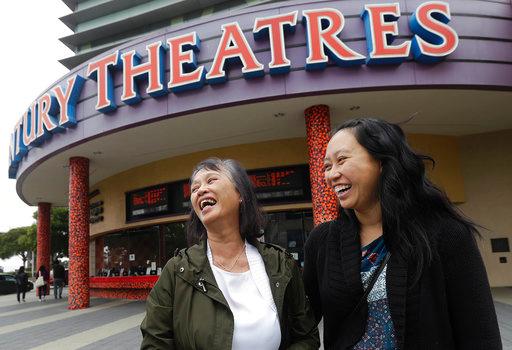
[(433, 293)]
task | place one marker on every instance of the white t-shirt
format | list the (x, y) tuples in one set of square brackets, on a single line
[(251, 302)]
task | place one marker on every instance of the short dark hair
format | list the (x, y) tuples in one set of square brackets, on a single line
[(251, 217), (411, 204)]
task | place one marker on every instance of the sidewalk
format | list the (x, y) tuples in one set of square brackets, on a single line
[(114, 323), (107, 324), (503, 302)]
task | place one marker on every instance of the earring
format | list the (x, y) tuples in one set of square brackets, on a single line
[(240, 200)]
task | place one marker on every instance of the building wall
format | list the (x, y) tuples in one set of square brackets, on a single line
[(252, 156), (444, 149), (446, 173), (486, 161)]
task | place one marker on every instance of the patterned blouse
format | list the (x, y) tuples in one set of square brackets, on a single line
[(379, 333)]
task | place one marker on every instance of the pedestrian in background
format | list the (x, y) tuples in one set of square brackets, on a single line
[(59, 275), (21, 283), (42, 290)]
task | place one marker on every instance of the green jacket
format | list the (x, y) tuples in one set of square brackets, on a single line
[(187, 310)]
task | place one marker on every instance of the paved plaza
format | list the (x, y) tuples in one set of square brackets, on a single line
[(114, 323)]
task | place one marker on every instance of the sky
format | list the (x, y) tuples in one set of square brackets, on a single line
[(29, 56)]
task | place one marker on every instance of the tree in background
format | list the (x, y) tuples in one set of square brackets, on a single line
[(18, 241), (22, 241), (59, 227)]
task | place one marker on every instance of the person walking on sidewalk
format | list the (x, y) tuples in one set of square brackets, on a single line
[(42, 290), (21, 283), (58, 278)]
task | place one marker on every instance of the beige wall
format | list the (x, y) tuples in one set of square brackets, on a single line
[(475, 171), (252, 156), (447, 172), (486, 161)]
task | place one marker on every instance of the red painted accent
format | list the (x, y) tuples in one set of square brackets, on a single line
[(29, 125), (380, 28), (151, 68), (178, 57), (43, 238), (100, 67), (126, 282), (78, 233), (233, 44), (135, 294), (44, 121), (318, 37), (63, 99), (18, 147), (275, 26), (123, 287), (450, 38), (318, 128)]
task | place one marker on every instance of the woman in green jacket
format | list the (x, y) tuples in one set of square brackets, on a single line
[(228, 291)]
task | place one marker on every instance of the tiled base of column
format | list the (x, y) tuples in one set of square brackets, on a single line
[(134, 294)]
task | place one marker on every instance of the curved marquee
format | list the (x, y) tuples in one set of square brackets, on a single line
[(278, 51)]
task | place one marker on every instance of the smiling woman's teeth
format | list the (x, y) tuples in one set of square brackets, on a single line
[(342, 188), (206, 202)]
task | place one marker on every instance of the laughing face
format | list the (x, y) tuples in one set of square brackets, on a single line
[(352, 172), (214, 197)]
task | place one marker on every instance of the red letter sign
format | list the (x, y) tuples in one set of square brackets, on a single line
[(183, 59), (153, 70), (434, 40), (100, 71), (323, 27), (233, 46), (275, 27), (381, 28)]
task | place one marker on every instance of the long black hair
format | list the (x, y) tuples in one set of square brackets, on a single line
[(251, 217), (411, 205)]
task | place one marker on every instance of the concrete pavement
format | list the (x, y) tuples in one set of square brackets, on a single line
[(107, 324), (114, 323)]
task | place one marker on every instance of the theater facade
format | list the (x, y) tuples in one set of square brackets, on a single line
[(116, 139)]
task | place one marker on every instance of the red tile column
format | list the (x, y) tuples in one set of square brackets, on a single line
[(43, 237), (318, 128), (78, 233)]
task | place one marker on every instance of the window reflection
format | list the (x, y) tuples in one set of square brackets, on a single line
[(145, 251), (138, 252), (289, 230)]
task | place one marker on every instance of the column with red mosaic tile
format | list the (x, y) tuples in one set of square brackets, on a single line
[(78, 233), (43, 238), (318, 128)]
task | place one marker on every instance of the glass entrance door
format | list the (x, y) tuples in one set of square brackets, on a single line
[(289, 229)]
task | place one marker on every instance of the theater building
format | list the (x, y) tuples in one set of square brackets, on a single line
[(156, 86)]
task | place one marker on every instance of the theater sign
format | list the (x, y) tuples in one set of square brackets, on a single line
[(55, 111)]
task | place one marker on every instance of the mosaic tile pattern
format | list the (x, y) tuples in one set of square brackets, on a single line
[(43, 238), (78, 233), (123, 287), (318, 128), (133, 294)]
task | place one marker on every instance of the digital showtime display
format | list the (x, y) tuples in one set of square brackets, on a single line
[(272, 186)]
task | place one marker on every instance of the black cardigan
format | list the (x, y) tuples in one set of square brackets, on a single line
[(450, 308)]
